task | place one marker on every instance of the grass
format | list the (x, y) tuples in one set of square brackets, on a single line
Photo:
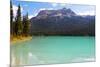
[(17, 39)]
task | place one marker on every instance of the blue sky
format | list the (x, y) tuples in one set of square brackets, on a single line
[(34, 7)]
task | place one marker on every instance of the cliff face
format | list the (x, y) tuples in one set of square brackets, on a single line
[(62, 22)]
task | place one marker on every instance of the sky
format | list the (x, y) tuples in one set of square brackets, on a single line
[(33, 8)]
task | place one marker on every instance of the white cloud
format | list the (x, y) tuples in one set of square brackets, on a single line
[(90, 2), (15, 8), (87, 13), (58, 4), (42, 9), (54, 4), (63, 4)]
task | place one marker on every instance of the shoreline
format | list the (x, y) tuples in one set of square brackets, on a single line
[(19, 39)]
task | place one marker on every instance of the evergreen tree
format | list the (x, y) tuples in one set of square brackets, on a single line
[(11, 18), (18, 24), (15, 26), (26, 25)]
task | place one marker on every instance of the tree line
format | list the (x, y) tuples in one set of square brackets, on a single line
[(19, 26)]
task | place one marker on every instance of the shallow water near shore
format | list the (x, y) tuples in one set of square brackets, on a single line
[(53, 50)]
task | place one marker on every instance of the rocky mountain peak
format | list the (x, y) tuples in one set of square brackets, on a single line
[(60, 12)]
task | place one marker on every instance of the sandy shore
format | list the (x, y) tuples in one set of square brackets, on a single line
[(20, 39)]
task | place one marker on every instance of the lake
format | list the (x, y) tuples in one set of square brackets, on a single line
[(53, 50)]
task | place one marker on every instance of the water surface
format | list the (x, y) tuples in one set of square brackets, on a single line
[(53, 50)]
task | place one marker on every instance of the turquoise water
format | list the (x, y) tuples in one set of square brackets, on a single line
[(53, 50)]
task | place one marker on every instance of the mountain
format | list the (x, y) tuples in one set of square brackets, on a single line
[(52, 13), (62, 22)]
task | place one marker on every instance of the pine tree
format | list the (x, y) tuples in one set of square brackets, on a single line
[(26, 25), (11, 18), (15, 26), (18, 24)]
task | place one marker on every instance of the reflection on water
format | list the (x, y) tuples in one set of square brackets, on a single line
[(53, 50)]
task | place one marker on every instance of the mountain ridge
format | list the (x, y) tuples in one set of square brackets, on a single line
[(63, 21)]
